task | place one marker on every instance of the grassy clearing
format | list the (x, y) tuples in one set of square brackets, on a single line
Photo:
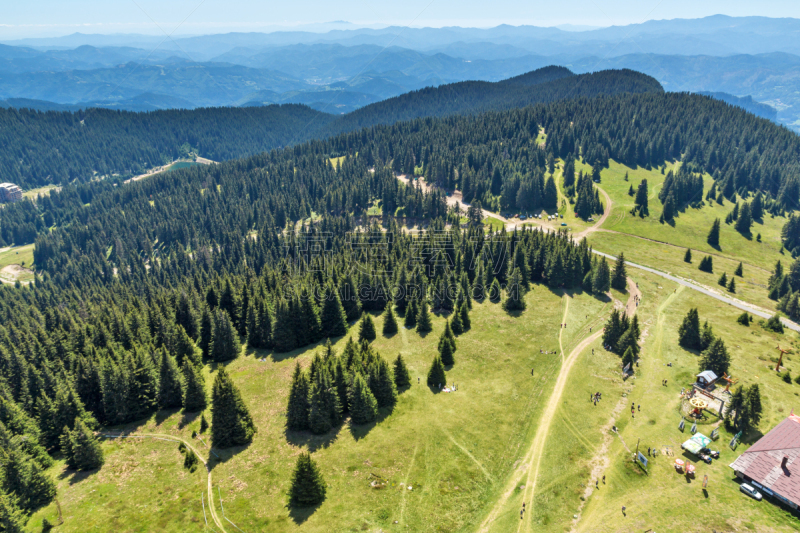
[(41, 191), (752, 287), (336, 161), (665, 500), (691, 227), (455, 450), (16, 263)]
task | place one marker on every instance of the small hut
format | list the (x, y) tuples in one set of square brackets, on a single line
[(706, 378)]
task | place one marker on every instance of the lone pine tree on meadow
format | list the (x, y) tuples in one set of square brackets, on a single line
[(81, 447), (402, 379), (723, 280), (713, 234), (640, 202), (687, 257), (366, 331), (689, 331), (601, 280), (195, 397), (231, 423), (706, 264), (307, 487), (739, 271), (436, 375), (732, 285), (389, 321)]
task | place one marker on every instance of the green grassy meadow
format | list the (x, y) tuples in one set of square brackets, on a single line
[(454, 450)]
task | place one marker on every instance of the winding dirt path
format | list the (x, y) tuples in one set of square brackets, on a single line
[(529, 471), (210, 501)]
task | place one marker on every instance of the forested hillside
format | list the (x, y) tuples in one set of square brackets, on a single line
[(61, 147)]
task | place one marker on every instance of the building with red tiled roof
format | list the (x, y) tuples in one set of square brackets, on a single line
[(773, 463)]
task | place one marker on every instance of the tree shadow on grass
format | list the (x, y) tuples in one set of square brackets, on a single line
[(301, 514), (76, 476), (311, 441), (188, 418), (359, 431), (217, 456), (164, 414)]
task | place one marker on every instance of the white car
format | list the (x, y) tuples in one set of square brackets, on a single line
[(750, 491)]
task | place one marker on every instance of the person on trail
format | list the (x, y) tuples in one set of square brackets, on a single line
[(596, 483), (623, 511), (639, 407), (604, 479), (648, 450)]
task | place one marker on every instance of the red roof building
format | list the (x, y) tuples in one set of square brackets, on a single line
[(773, 463)]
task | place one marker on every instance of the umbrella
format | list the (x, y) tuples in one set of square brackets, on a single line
[(679, 462), (690, 469)]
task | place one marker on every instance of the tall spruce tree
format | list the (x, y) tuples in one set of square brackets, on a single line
[(170, 384), (687, 257), (713, 234), (231, 423), (363, 405), (298, 406), (436, 375), (81, 448), (446, 352), (333, 320), (402, 379), (689, 331), (206, 332), (515, 293), (465, 321), (366, 330), (620, 276), (307, 487), (25, 479), (640, 202), (384, 388), (195, 397), (225, 344), (12, 520), (715, 358), (389, 321), (601, 280), (424, 324)]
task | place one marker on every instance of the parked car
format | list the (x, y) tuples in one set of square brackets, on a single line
[(563, 223), (709, 451), (705, 458), (750, 491)]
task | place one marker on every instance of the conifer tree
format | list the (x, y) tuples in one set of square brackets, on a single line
[(144, 390), (436, 375), (231, 423), (410, 319), (12, 519), (185, 349), (713, 234), (283, 334), (363, 405), (81, 448), (446, 352), (206, 332), (628, 358), (203, 423), (619, 279), (25, 479), (308, 487), (640, 202), (745, 220), (298, 407), (601, 280), (170, 385), (744, 319), (389, 321), (384, 388), (732, 286), (424, 324), (194, 388), (715, 358), (402, 379), (706, 264), (319, 419), (689, 331), (739, 271), (687, 258), (457, 324), (333, 320), (723, 280), (366, 331), (495, 291), (465, 317), (447, 335), (515, 297), (225, 343)]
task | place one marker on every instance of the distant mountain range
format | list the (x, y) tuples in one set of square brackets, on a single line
[(346, 68)]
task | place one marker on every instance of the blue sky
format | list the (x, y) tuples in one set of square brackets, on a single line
[(35, 18)]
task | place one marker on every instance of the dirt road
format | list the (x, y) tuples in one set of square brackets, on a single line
[(528, 473)]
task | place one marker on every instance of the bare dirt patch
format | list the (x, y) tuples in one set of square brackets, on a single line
[(11, 273)]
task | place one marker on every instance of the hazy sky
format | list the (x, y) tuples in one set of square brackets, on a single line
[(35, 18)]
